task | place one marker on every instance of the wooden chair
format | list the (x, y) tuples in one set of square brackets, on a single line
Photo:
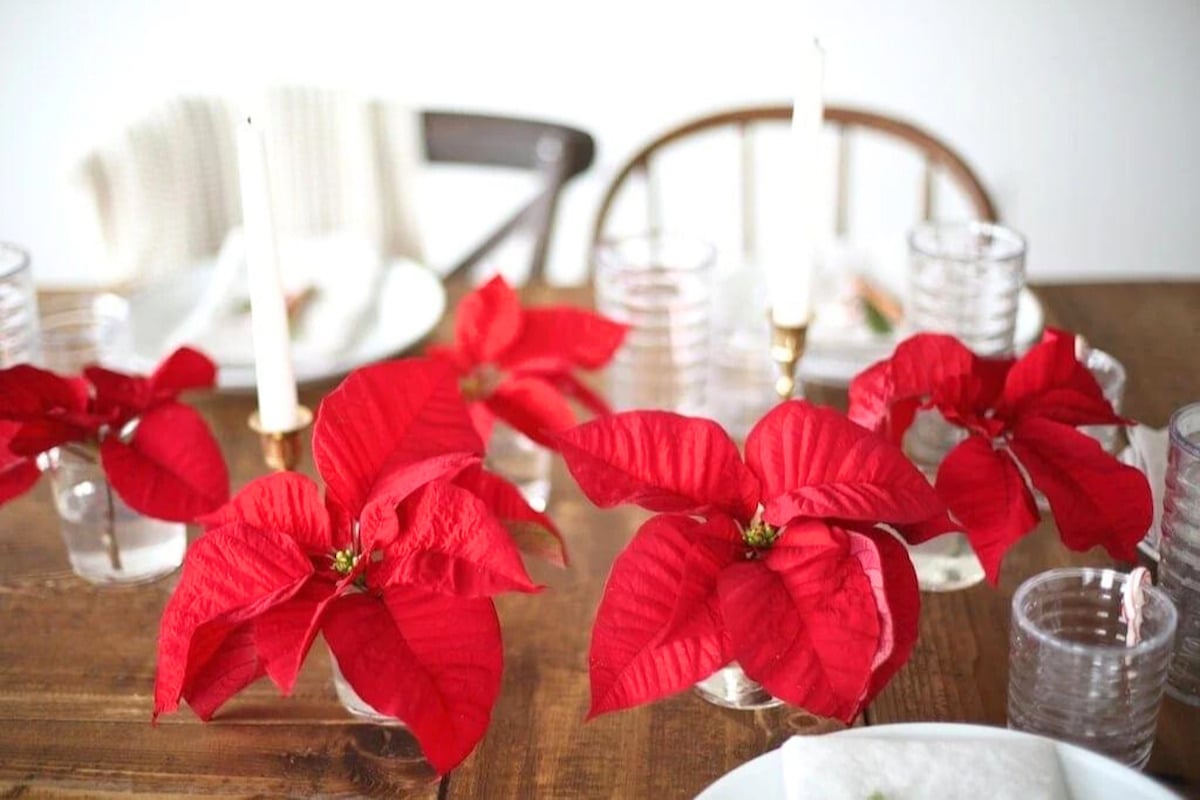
[(166, 192), (939, 159)]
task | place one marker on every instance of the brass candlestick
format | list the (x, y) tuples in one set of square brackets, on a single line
[(787, 346), (282, 449)]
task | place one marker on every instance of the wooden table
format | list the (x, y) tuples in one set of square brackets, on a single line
[(77, 663)]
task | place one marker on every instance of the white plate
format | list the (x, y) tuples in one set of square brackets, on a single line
[(834, 357), (1089, 776), (409, 305)]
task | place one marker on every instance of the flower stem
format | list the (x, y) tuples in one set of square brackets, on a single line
[(110, 534)]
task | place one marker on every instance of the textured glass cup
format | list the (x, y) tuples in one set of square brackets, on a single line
[(1179, 569), (94, 329), (18, 308), (525, 463), (107, 541), (965, 279), (352, 702), (661, 287), (1072, 675)]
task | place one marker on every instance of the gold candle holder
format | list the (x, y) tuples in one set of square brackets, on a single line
[(787, 347), (282, 449)]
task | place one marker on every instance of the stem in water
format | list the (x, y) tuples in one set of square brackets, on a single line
[(110, 533)]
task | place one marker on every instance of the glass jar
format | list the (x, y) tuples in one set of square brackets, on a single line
[(730, 687), (1179, 567), (107, 541), (352, 702), (523, 462), (18, 308)]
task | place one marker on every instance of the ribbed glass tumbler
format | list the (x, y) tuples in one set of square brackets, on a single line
[(661, 286), (1072, 674), (18, 308), (1179, 569)]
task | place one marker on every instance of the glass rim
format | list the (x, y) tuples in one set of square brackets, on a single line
[(19, 259), (612, 244), (1014, 243), (1177, 437), (1153, 594)]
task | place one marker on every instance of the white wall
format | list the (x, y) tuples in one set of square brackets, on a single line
[(1083, 116)]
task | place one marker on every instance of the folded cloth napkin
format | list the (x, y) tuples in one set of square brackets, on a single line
[(1147, 451), (865, 768), (342, 274)]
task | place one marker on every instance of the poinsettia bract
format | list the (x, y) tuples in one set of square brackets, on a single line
[(1021, 418), (777, 561), (395, 566), (157, 453), (519, 364)]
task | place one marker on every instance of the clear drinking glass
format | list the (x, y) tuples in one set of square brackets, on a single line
[(729, 687), (1071, 673), (18, 308), (661, 286), (1110, 374), (94, 329), (352, 702), (965, 279), (1179, 567), (514, 456), (107, 541)]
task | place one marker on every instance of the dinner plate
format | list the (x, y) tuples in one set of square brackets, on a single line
[(836, 353), (408, 305), (1088, 775)]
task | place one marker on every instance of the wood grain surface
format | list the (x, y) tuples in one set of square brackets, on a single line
[(77, 662)]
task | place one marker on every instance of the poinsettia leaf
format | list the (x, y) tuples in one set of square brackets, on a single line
[(18, 473), (285, 502), (379, 524), (181, 371), (284, 633), (533, 532), (29, 393), (887, 565), (575, 389), (118, 393), (918, 365), (233, 667), (630, 661), (533, 407), (1096, 500), (1052, 367), (488, 321), (39, 435), (171, 469), (660, 461), (803, 621), (383, 418), (448, 542), (986, 492), (716, 543), (813, 462), (230, 575), (430, 660), (561, 338)]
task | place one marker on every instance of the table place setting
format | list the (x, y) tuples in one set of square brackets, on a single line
[(608, 541)]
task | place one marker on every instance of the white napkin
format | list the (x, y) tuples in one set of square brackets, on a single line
[(861, 768), (344, 271), (1147, 451)]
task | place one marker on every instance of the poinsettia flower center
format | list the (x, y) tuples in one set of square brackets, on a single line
[(480, 382), (759, 535), (344, 561)]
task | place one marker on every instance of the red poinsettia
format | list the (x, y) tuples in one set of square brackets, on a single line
[(777, 562), (1021, 418), (395, 567), (519, 364), (157, 453)]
